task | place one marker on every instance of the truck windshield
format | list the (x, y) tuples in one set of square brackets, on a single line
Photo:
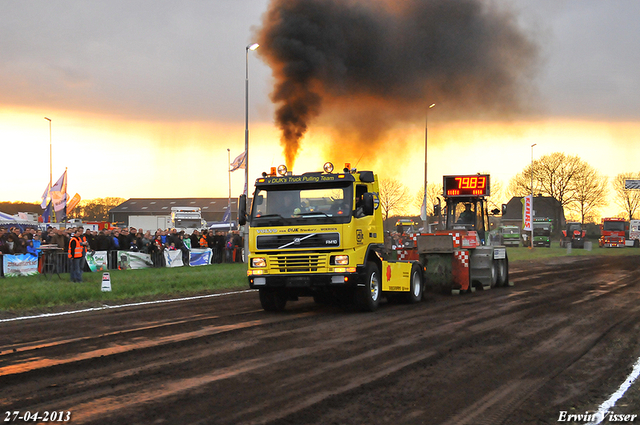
[(187, 223), (613, 226), (302, 205)]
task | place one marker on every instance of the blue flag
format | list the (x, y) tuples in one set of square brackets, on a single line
[(227, 215), (46, 215)]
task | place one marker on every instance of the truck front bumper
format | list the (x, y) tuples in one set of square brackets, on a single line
[(303, 280)]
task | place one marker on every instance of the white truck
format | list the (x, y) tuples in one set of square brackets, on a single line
[(187, 218), (634, 233)]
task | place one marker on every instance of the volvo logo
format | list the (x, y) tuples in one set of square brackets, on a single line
[(296, 241)]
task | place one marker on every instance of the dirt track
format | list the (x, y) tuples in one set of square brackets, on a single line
[(562, 339)]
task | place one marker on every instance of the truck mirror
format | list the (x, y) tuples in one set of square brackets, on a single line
[(259, 199), (367, 203), (242, 210), (504, 209), (436, 210)]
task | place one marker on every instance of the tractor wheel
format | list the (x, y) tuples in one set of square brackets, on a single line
[(415, 285), (368, 296), (503, 273), (494, 273), (272, 300)]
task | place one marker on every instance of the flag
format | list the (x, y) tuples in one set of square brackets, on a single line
[(61, 184), (227, 215), (527, 213), (73, 202), (423, 208), (46, 215), (59, 193), (45, 195), (59, 200), (239, 162)]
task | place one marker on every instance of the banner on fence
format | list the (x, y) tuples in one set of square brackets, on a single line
[(133, 260), (19, 265), (200, 256), (97, 261), (173, 258)]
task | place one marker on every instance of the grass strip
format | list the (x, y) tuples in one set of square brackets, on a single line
[(36, 294)]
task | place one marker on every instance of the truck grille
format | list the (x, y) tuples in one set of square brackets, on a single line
[(297, 241), (297, 263)]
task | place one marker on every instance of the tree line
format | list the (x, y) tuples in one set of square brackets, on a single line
[(89, 210), (581, 189)]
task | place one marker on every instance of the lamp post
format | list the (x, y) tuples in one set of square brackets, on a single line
[(425, 218), (229, 202), (251, 47), (532, 211), (50, 156)]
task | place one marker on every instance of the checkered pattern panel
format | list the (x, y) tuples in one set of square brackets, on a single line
[(463, 257)]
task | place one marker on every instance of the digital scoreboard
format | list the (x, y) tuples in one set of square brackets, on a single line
[(474, 185)]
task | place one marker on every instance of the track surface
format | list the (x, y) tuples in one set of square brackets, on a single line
[(562, 339)]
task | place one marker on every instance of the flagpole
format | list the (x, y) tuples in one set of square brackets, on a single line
[(229, 203)]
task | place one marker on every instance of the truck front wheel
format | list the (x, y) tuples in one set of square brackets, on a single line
[(368, 296), (415, 285), (272, 300)]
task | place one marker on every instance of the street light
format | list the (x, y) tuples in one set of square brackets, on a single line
[(424, 200), (50, 156), (532, 211), (251, 47), (229, 202)]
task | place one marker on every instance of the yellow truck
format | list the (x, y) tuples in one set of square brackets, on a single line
[(320, 234)]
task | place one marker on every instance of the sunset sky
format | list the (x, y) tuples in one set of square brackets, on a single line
[(145, 97)]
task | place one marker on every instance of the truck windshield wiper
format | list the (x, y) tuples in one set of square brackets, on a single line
[(270, 216), (312, 213)]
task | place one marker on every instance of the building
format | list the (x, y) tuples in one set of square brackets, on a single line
[(543, 207), (155, 213)]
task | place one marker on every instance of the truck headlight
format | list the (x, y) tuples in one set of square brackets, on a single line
[(258, 262), (339, 260)]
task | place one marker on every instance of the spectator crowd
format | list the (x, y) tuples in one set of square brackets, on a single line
[(225, 246)]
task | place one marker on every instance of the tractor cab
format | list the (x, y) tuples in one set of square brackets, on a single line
[(467, 213), (466, 206)]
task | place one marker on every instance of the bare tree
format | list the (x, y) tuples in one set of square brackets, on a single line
[(434, 190), (393, 197), (553, 175), (627, 199), (590, 193), (96, 209)]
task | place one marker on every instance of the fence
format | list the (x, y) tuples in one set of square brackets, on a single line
[(50, 262)]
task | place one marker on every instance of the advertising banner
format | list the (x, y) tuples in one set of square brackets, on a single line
[(527, 213), (19, 265), (134, 260), (97, 261), (173, 258), (200, 256)]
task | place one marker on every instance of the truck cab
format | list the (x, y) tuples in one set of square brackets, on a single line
[(320, 234), (612, 233)]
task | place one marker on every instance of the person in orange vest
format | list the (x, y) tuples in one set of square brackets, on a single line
[(78, 246), (203, 240)]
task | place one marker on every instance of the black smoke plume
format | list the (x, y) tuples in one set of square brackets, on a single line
[(368, 64)]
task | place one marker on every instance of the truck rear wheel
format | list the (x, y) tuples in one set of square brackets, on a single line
[(503, 272), (368, 296), (272, 300), (415, 285)]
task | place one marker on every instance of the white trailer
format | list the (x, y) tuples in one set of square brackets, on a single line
[(150, 222)]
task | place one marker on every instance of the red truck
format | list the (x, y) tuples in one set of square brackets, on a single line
[(612, 231)]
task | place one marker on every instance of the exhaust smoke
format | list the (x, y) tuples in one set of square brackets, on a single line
[(363, 66)]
